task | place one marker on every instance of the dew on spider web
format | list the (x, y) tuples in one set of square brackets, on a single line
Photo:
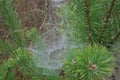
[(49, 51)]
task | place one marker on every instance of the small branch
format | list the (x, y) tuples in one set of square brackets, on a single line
[(62, 74), (6, 77), (108, 14), (107, 18), (115, 38), (113, 77), (87, 15), (30, 69)]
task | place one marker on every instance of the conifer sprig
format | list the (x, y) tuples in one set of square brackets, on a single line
[(108, 14), (87, 15), (114, 39), (107, 18)]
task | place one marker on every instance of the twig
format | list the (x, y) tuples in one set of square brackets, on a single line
[(108, 14), (30, 69), (115, 38), (62, 74), (21, 30), (87, 15), (107, 17), (7, 73), (113, 77)]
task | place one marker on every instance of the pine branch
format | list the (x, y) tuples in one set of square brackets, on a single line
[(106, 20), (107, 17), (114, 39), (108, 14), (87, 15), (33, 71), (7, 73)]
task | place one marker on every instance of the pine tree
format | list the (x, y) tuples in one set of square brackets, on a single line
[(93, 22)]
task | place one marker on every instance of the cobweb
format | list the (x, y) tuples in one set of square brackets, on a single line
[(49, 50)]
